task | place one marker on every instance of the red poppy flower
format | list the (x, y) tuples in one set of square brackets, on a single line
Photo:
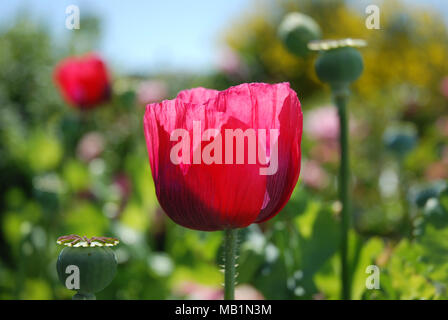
[(83, 81), (225, 159)]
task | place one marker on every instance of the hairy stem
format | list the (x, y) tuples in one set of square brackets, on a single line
[(230, 244)]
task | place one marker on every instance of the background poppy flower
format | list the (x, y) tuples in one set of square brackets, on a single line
[(221, 196), (83, 81)]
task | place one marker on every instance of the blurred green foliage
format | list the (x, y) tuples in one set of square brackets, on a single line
[(52, 184)]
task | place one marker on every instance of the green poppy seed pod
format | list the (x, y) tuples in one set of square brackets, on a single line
[(86, 265), (296, 30), (339, 66), (400, 139)]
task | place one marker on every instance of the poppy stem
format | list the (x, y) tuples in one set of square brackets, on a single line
[(340, 98), (230, 244)]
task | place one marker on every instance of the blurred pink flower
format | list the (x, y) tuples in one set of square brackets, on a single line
[(314, 176), (444, 87), (195, 291), (230, 63), (247, 292), (322, 123), (152, 91), (90, 146)]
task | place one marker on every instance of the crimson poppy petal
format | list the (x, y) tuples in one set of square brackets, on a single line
[(200, 196), (215, 196), (83, 81)]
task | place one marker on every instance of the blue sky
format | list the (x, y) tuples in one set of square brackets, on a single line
[(144, 34), (153, 34)]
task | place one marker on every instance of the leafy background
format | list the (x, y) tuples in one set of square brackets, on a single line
[(64, 171)]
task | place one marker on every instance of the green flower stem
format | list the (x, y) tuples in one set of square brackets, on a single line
[(230, 246), (340, 98)]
